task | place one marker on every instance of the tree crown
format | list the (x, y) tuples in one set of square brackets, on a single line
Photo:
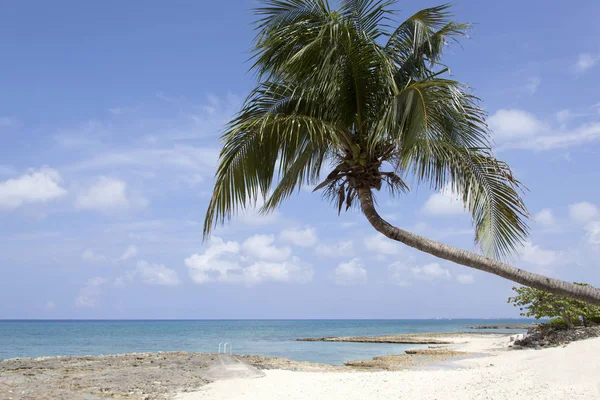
[(351, 93)]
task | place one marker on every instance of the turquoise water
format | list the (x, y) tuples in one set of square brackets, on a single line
[(263, 337)]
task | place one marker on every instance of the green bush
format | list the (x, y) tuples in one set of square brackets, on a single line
[(539, 304), (559, 324)]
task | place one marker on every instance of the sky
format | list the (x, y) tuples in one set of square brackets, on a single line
[(110, 117)]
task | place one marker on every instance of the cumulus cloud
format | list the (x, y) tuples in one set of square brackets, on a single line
[(299, 237), (430, 272), (230, 262), (37, 186), (593, 232), (108, 195), (583, 212), (157, 274), (444, 203), (344, 248), (537, 255), (545, 217), (88, 295), (261, 247), (130, 252), (382, 245), (350, 273), (586, 61), (403, 273), (514, 124), (465, 279)]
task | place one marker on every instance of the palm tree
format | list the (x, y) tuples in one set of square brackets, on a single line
[(341, 88)]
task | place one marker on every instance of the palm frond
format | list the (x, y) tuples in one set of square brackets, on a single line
[(433, 108), (367, 15), (486, 185), (415, 30), (270, 130)]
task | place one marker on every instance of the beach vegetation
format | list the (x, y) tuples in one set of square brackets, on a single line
[(566, 313)]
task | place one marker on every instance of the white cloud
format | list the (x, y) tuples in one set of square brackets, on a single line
[(545, 217), (88, 295), (519, 129), (583, 212), (430, 272), (593, 232), (444, 203), (90, 256), (217, 263), (465, 279), (538, 256), (382, 245), (513, 123), (351, 273), (343, 248), (292, 270), (585, 133), (108, 195), (131, 251), (155, 274), (533, 84), (50, 305), (261, 247), (39, 186), (586, 61), (299, 237), (228, 262)]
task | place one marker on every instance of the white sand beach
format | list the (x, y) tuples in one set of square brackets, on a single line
[(570, 372)]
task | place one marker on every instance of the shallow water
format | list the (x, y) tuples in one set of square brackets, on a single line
[(263, 337)]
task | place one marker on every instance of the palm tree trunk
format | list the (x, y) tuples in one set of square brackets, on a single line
[(472, 260)]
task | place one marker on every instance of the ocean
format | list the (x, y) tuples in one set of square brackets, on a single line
[(33, 338)]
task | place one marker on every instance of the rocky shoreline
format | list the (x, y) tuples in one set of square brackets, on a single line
[(412, 358), (158, 376), (506, 326), (417, 338), (538, 338)]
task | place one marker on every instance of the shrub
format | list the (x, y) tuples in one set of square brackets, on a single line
[(539, 304)]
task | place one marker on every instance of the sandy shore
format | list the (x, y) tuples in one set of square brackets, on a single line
[(473, 366), (571, 372)]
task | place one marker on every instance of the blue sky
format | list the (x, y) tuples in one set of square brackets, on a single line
[(110, 114)]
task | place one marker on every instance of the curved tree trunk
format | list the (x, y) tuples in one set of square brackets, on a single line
[(472, 260)]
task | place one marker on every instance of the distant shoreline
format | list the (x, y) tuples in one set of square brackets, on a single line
[(255, 319)]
